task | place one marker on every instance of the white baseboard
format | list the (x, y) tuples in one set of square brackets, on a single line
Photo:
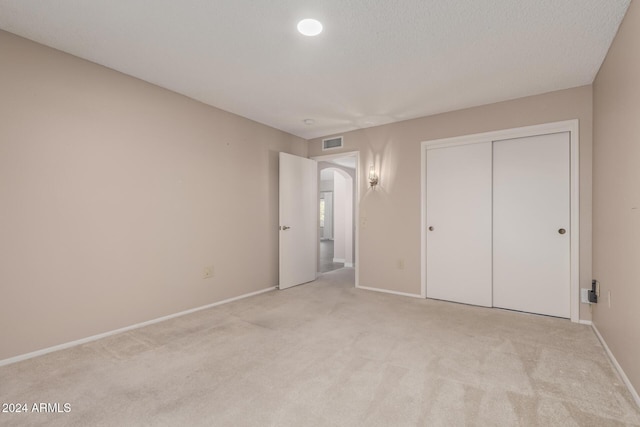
[(616, 365), (387, 291), (43, 351), (585, 322), (348, 264), (338, 260)]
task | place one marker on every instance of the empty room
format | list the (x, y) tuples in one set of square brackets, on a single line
[(320, 213)]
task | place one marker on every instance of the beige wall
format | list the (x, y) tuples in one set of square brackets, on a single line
[(390, 214), (115, 194), (616, 196)]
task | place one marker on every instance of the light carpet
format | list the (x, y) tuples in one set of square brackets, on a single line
[(327, 354)]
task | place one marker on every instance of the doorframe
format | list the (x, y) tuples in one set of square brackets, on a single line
[(571, 126), (356, 196)]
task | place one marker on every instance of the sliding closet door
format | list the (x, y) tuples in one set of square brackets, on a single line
[(531, 243), (459, 223)]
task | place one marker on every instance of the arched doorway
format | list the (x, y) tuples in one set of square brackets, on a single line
[(336, 214)]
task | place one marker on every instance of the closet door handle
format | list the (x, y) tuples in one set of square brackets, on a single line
[(562, 231), (431, 228)]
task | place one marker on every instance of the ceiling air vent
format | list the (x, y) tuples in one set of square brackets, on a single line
[(332, 143)]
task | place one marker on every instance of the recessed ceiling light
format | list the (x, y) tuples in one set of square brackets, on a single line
[(308, 121), (310, 27)]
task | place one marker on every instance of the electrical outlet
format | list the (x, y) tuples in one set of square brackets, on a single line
[(584, 296), (400, 264), (207, 272)]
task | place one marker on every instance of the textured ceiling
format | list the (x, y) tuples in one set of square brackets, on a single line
[(376, 62)]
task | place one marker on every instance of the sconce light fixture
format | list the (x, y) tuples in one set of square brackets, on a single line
[(373, 178)]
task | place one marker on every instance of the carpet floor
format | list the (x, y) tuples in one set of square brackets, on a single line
[(327, 354)]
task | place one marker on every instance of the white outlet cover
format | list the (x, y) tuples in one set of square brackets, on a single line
[(584, 296)]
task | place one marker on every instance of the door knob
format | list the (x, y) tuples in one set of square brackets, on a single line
[(431, 228), (284, 227), (562, 231)]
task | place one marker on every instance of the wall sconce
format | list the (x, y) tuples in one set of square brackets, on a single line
[(373, 178)]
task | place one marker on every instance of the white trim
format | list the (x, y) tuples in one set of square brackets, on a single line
[(348, 264), (617, 366), (125, 329), (574, 129), (339, 260), (423, 220), (541, 129), (571, 126), (586, 322), (357, 197), (387, 291)]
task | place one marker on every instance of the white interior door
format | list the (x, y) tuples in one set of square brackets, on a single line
[(531, 201), (298, 220), (459, 223)]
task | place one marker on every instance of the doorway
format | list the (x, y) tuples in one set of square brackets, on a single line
[(327, 261), (500, 219), (337, 211)]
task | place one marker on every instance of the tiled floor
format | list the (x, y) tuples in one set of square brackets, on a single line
[(326, 257)]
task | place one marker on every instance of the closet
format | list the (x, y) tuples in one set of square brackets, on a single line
[(498, 223)]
